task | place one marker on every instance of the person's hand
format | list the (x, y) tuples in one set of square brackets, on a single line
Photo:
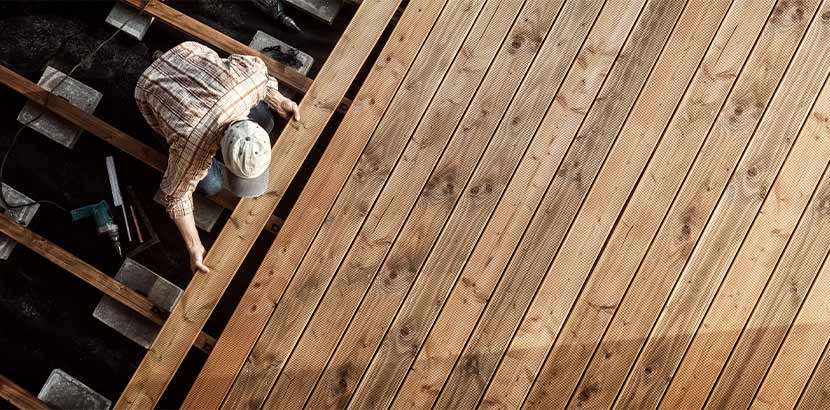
[(288, 109), (197, 259)]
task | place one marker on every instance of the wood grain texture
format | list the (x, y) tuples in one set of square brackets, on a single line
[(19, 397), (313, 205), (501, 317), (353, 207), (635, 143), (582, 82), (784, 292), (415, 174), (817, 392), (740, 201), (251, 215), (801, 350), (621, 252)]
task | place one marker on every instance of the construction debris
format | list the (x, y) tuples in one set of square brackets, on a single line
[(158, 290), (325, 10), (62, 391)]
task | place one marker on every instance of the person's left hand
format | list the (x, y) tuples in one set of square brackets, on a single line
[(288, 109)]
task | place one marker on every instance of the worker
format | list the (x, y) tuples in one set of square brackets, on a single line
[(201, 103)]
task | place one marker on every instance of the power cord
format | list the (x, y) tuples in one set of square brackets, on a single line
[(87, 58)]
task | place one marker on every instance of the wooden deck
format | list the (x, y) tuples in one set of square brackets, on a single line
[(557, 203)]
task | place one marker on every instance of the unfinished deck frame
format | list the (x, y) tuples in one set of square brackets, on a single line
[(19, 397), (210, 36), (107, 133), (250, 216), (92, 276)]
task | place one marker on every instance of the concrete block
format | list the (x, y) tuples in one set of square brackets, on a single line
[(51, 125), (23, 216), (63, 391), (136, 26), (263, 40), (205, 211), (158, 290), (325, 10)]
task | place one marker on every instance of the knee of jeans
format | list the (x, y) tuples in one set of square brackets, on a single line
[(211, 185)]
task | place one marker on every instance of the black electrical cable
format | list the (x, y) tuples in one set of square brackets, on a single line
[(13, 142)]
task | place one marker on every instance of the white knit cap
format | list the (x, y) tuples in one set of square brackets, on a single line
[(246, 150)]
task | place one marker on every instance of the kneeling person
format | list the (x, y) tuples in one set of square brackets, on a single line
[(201, 104)]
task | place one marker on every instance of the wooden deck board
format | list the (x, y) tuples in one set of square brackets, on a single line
[(558, 204)]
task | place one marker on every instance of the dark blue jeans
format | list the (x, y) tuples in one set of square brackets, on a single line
[(214, 181)]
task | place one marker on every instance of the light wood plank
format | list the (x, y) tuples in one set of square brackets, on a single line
[(677, 143), (257, 304), (560, 124), (354, 206), (250, 216), (108, 133), (417, 167), (19, 397), (454, 170), (91, 275), (667, 251), (783, 293), (479, 359), (643, 129), (801, 351), (817, 392), (739, 203)]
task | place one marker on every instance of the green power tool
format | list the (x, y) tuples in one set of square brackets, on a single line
[(103, 220)]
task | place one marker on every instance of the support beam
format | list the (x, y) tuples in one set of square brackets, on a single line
[(108, 133), (92, 276), (238, 236), (18, 396), (211, 36)]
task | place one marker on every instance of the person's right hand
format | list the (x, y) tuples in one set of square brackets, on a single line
[(197, 260)]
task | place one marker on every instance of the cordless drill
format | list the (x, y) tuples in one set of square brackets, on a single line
[(103, 220)]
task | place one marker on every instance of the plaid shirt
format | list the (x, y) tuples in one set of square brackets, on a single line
[(190, 95)]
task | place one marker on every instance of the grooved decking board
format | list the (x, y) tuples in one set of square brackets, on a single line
[(250, 216), (18, 396), (742, 196), (108, 133), (312, 206), (783, 292), (590, 313), (551, 202), (511, 297), (414, 173), (89, 274), (801, 350)]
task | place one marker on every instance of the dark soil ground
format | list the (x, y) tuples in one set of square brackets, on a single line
[(45, 312)]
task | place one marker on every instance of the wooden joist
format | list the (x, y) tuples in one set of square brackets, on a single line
[(250, 216), (19, 397), (210, 36), (91, 275), (107, 133)]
